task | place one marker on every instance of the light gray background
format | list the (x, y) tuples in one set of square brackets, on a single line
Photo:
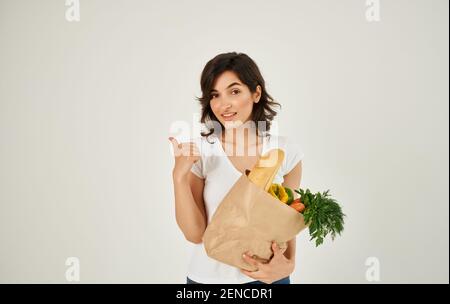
[(86, 108)]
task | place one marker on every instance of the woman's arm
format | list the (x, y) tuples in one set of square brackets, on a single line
[(189, 207), (188, 188), (292, 180)]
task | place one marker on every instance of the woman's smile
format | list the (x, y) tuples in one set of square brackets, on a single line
[(229, 116)]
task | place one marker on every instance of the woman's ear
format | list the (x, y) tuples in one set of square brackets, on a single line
[(257, 94)]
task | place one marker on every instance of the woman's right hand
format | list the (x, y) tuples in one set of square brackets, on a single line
[(186, 154)]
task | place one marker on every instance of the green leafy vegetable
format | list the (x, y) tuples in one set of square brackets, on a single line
[(323, 214)]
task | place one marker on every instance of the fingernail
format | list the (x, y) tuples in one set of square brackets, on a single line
[(170, 138)]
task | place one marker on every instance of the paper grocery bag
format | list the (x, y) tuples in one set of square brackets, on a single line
[(248, 218)]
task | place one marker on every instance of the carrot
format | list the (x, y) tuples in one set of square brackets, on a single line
[(298, 205)]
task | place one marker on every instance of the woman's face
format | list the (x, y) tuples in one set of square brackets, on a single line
[(231, 100)]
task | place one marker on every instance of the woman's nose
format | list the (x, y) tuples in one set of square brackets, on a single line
[(223, 103), (226, 107)]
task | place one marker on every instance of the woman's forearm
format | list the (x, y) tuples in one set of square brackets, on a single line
[(190, 218)]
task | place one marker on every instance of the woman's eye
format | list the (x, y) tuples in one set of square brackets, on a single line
[(212, 96), (235, 91)]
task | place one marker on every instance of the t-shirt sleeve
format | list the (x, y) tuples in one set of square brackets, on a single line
[(197, 168), (293, 155)]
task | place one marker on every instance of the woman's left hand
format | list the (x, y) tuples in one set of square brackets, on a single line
[(276, 269)]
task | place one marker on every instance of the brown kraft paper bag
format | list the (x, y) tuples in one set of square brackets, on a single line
[(249, 219)]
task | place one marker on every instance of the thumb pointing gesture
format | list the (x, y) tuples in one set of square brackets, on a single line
[(176, 146), (186, 154)]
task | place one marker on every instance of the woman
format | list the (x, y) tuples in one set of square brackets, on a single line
[(239, 111)]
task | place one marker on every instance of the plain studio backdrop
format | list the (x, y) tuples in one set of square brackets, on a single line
[(86, 108)]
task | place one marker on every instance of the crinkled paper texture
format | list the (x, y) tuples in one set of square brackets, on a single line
[(248, 218)]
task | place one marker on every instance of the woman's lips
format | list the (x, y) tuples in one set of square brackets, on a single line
[(228, 116)]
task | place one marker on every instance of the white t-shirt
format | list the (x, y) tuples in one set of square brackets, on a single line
[(220, 175)]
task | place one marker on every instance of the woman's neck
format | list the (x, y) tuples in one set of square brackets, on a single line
[(243, 138)]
